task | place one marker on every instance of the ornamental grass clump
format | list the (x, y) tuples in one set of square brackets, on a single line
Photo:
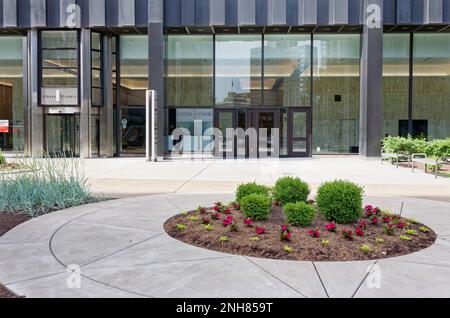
[(340, 201), (256, 207), (290, 190), (50, 184), (2, 159), (300, 214), (251, 188)]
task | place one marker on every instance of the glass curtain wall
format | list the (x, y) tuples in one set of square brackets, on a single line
[(238, 70), (395, 84), (11, 94), (59, 58), (336, 93), (431, 86), (133, 84), (189, 86), (287, 70)]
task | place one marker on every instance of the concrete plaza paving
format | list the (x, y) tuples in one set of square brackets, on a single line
[(134, 176), (122, 251)]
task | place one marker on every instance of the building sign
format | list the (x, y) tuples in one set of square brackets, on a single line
[(4, 126), (59, 96), (191, 115)]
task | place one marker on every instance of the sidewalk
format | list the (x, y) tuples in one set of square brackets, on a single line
[(134, 176)]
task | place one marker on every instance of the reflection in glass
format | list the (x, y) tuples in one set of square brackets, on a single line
[(11, 93), (238, 70), (133, 69), (395, 83), (63, 133), (431, 99), (336, 93), (190, 70), (287, 70)]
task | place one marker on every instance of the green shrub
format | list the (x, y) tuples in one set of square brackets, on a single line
[(2, 159), (439, 148), (291, 190), (405, 145), (256, 206), (251, 188), (300, 213), (340, 201)]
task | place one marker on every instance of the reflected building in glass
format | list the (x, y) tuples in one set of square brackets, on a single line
[(311, 74)]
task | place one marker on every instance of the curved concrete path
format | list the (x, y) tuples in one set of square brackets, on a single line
[(123, 251)]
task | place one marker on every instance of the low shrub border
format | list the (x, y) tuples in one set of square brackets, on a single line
[(302, 231)]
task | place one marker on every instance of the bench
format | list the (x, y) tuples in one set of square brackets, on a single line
[(387, 155), (423, 159)]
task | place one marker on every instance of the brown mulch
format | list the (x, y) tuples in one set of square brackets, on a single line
[(305, 248), (7, 222)]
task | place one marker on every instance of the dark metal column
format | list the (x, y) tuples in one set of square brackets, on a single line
[(371, 89), (156, 67)]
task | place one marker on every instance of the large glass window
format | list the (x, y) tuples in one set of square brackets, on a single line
[(97, 69), (133, 69), (287, 70), (238, 70), (59, 58), (190, 70), (336, 93), (431, 86), (11, 94), (395, 84), (133, 84)]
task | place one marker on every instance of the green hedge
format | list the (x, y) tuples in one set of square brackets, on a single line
[(439, 148), (291, 190), (300, 213), (256, 206), (340, 201), (251, 188)]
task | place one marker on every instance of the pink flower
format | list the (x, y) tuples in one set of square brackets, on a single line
[(368, 208), (362, 225), (314, 233), (260, 230), (248, 222), (375, 221), (216, 216), (227, 211), (386, 219), (401, 225), (359, 232), (347, 234), (331, 227), (228, 221)]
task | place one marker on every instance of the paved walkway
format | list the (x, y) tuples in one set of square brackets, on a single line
[(124, 252), (124, 177)]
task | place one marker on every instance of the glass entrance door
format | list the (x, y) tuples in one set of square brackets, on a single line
[(267, 124), (225, 119), (63, 135), (300, 123), (133, 127)]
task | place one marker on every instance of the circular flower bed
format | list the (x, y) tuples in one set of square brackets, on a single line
[(374, 233)]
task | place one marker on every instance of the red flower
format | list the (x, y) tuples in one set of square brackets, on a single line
[(201, 210), (362, 225), (237, 206), (375, 221), (228, 221), (248, 222), (205, 221), (331, 227), (401, 225), (368, 208), (216, 216), (314, 233), (260, 230), (386, 219), (285, 233), (347, 234), (227, 211), (376, 211), (359, 232)]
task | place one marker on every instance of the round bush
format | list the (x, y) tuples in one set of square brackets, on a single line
[(251, 188), (256, 206), (300, 213), (340, 201), (291, 190)]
